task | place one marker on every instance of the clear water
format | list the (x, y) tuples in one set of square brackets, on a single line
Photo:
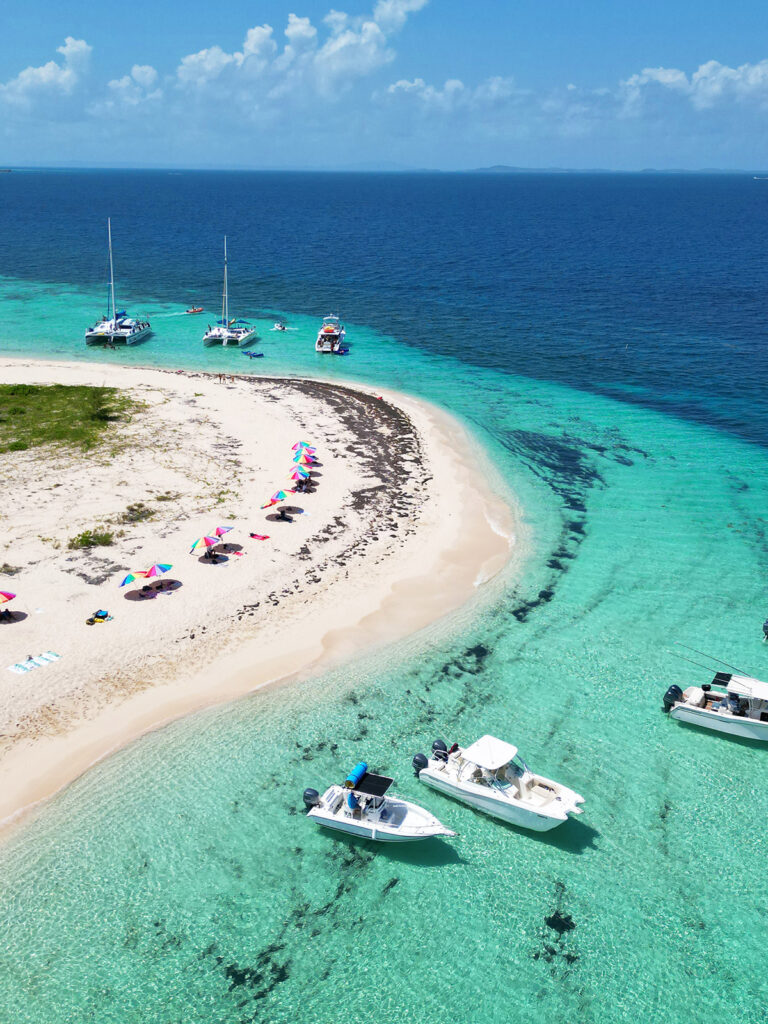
[(605, 339)]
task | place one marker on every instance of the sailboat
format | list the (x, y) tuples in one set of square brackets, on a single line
[(226, 331), (116, 326)]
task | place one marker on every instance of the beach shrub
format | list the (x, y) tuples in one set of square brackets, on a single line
[(32, 415), (137, 513), (91, 539)]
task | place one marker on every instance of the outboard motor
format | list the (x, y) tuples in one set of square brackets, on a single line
[(419, 763), (765, 630), (673, 696), (440, 751), (311, 798)]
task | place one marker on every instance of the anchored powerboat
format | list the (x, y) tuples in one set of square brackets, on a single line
[(116, 328), (226, 331), (738, 705), (330, 337), (491, 777), (361, 808)]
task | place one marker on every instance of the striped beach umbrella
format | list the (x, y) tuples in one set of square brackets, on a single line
[(301, 444), (132, 577), (221, 530), (157, 569), (299, 474), (276, 497), (5, 597), (206, 542)]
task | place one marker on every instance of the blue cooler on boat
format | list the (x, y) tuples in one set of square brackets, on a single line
[(355, 775)]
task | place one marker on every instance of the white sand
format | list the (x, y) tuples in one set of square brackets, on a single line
[(351, 572)]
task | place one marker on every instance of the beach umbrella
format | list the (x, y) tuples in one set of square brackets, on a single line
[(299, 474), (5, 597), (276, 497), (221, 530), (132, 577), (303, 459), (207, 542), (157, 570), (301, 444)]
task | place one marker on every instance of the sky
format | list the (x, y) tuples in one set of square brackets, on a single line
[(386, 84)]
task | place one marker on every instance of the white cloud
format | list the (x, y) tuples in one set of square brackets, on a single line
[(53, 77), (711, 85), (129, 91), (391, 15)]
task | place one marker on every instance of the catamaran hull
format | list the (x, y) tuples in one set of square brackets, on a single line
[(498, 808), (117, 339), (732, 725)]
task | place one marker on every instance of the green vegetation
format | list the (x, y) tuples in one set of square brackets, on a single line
[(9, 570), (137, 513), (32, 415), (91, 539)]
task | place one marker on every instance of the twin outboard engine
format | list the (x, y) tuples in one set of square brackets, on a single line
[(311, 798), (673, 696), (439, 751), (419, 762)]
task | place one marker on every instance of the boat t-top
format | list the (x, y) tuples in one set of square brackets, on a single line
[(491, 777), (361, 808), (738, 705), (226, 331), (330, 337), (116, 327)]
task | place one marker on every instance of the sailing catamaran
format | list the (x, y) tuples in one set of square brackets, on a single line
[(116, 327), (226, 331)]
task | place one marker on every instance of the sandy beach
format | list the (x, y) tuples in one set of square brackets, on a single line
[(398, 530)]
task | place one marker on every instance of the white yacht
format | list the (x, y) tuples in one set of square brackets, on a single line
[(116, 327), (361, 808), (330, 337), (489, 776), (226, 331), (738, 705)]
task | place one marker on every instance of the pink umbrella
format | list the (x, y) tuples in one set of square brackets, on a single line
[(302, 444), (221, 530), (299, 474), (277, 497)]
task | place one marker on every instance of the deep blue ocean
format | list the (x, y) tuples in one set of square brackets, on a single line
[(605, 338)]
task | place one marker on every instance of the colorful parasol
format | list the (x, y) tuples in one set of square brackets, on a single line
[(221, 530), (132, 577), (276, 497), (5, 597), (207, 542), (301, 444), (304, 460), (157, 570), (299, 474)]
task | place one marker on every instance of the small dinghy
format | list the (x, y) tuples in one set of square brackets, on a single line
[(491, 777), (361, 808), (195, 309)]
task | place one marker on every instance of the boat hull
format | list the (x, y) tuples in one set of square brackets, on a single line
[(117, 339), (731, 725), (496, 807), (379, 835), (398, 821)]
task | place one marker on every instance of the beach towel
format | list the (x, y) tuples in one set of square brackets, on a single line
[(260, 536), (37, 662)]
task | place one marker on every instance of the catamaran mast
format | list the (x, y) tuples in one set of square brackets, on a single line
[(111, 268), (225, 298)]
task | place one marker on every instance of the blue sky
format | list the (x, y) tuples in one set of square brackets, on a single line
[(383, 83)]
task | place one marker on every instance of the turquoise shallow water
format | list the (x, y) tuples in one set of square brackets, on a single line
[(180, 881)]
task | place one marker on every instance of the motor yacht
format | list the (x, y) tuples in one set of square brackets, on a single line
[(116, 328), (330, 337), (361, 808), (731, 703), (491, 777), (226, 331)]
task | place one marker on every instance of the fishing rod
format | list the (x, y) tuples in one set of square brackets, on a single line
[(719, 662), (690, 661)]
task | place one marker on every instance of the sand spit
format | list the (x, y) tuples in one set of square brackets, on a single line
[(395, 533)]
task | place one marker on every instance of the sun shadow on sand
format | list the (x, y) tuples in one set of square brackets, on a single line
[(222, 549), (10, 617), (152, 590), (219, 559)]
